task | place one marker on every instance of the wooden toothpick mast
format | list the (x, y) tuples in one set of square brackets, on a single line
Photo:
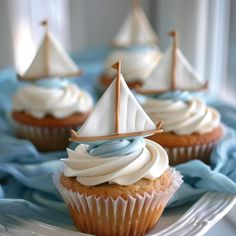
[(135, 3), (135, 26), (117, 66), (174, 34), (44, 23)]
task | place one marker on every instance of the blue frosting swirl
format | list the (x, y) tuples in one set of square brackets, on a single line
[(119, 147), (175, 95), (52, 83), (139, 48)]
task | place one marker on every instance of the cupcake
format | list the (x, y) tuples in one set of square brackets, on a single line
[(48, 106), (136, 46), (116, 182), (191, 127)]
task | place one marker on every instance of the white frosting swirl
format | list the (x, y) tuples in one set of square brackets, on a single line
[(183, 117), (59, 102), (149, 163), (136, 65)]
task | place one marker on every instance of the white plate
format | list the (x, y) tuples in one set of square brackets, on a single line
[(191, 220), (197, 219)]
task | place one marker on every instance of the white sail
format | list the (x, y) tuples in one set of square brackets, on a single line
[(186, 76), (136, 30), (160, 78), (51, 60), (145, 62), (132, 118)]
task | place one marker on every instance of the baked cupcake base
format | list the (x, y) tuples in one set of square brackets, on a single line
[(111, 209), (48, 133), (182, 148)]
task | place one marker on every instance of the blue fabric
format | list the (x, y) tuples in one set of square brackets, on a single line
[(26, 187)]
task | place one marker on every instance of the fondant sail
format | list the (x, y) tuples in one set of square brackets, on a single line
[(160, 79), (51, 60), (136, 30), (101, 125), (132, 116), (187, 76)]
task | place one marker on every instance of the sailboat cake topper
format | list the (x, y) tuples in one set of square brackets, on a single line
[(136, 30), (172, 73), (50, 60), (116, 115)]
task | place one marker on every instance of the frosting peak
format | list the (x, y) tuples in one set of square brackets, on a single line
[(183, 116), (128, 164), (59, 102)]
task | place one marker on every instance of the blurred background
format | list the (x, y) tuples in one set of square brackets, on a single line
[(207, 31)]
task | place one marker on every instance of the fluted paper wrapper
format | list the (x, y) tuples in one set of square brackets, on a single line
[(105, 216), (45, 138), (180, 155)]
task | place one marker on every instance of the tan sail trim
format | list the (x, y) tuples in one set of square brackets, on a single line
[(44, 76), (139, 90), (75, 138), (135, 28)]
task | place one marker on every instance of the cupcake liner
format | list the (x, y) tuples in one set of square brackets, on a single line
[(182, 154), (45, 138), (106, 216)]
